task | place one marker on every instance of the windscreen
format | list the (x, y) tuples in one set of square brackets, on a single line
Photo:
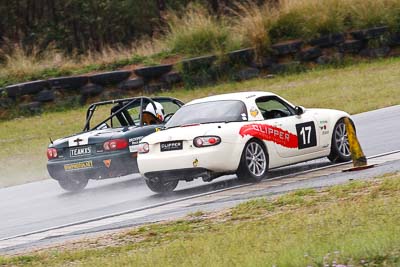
[(209, 112)]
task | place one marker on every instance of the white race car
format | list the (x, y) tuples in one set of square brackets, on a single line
[(244, 133)]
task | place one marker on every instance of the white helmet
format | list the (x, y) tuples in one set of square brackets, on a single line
[(159, 112)]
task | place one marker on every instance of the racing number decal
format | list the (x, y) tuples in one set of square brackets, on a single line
[(306, 133)]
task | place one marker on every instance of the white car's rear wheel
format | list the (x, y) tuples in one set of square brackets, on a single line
[(254, 162), (340, 148), (160, 186)]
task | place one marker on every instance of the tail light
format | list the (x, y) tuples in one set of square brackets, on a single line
[(204, 141), (143, 148), (116, 144), (52, 153)]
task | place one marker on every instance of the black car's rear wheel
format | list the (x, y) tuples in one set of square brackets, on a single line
[(253, 165), (160, 186), (73, 184)]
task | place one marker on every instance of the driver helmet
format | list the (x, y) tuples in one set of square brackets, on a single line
[(159, 112)]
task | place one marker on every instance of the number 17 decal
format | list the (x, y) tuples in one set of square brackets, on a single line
[(306, 134)]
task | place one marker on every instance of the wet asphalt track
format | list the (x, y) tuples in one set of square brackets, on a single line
[(43, 204)]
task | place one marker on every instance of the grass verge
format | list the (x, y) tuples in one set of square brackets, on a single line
[(355, 224), (20, 66), (354, 89)]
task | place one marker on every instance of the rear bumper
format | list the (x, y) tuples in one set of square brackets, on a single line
[(190, 162), (120, 164)]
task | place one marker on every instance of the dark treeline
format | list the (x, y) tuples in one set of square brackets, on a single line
[(79, 25)]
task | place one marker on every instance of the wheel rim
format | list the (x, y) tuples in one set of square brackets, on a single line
[(341, 140), (255, 159)]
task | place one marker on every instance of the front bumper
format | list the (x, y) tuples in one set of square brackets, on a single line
[(97, 167), (190, 162)]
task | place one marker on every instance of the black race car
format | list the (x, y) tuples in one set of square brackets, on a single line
[(109, 148)]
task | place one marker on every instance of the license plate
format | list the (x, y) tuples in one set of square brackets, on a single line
[(78, 165), (80, 151), (169, 146)]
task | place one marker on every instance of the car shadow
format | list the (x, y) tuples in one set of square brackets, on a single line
[(226, 183), (108, 187), (231, 182)]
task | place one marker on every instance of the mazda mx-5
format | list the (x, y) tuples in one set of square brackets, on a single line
[(242, 133)]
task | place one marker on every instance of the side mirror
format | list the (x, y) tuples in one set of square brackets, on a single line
[(299, 110)]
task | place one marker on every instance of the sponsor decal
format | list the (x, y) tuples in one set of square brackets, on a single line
[(81, 140), (270, 133), (107, 162), (81, 151), (77, 140), (135, 140), (250, 96), (324, 128), (244, 117), (169, 146), (158, 129), (253, 112), (79, 165), (195, 163), (134, 143)]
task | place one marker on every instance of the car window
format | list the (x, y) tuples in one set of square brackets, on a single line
[(272, 107), (169, 106), (209, 112), (134, 112), (115, 123), (99, 115)]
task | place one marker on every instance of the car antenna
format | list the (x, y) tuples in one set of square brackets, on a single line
[(51, 141)]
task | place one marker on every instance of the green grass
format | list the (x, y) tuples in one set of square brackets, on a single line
[(323, 229), (21, 67), (197, 32), (355, 89)]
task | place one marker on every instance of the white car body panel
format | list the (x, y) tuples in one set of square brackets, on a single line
[(225, 157)]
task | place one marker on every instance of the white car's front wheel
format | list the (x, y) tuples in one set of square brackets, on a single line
[(253, 165), (340, 148)]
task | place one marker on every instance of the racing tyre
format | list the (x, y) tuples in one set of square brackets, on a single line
[(162, 186), (73, 184), (340, 148), (253, 165)]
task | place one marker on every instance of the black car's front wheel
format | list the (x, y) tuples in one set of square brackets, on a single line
[(160, 186), (253, 165), (73, 184)]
